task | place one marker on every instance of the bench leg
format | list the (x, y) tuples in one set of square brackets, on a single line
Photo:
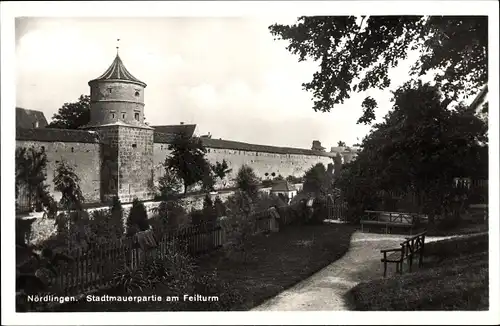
[(385, 268), (410, 262)]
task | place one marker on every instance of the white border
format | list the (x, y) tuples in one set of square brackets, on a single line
[(9, 10)]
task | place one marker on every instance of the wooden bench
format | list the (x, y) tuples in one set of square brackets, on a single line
[(409, 249), (392, 219)]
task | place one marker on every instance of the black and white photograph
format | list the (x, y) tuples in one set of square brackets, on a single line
[(203, 157)]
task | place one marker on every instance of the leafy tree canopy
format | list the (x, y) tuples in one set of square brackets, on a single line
[(419, 147), (247, 181), (355, 53), (68, 183), (187, 160), (72, 115)]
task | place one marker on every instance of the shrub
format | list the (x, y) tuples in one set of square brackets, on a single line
[(127, 280), (247, 181), (220, 208), (116, 210), (137, 219)]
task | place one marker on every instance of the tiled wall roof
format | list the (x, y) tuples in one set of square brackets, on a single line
[(57, 135)]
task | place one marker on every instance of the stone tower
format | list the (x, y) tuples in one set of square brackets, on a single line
[(117, 114)]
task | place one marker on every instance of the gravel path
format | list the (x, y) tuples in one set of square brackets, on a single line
[(325, 289)]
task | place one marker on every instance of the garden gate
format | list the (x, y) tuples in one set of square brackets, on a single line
[(336, 207)]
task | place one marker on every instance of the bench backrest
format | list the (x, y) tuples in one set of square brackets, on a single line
[(413, 244), (393, 217)]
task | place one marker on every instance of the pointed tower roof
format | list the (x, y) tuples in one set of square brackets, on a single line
[(118, 72)]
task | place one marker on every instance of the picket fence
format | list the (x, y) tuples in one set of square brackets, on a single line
[(93, 268)]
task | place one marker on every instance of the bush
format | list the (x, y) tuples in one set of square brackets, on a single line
[(137, 219), (126, 280)]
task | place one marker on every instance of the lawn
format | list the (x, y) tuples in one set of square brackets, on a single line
[(273, 263), (454, 277)]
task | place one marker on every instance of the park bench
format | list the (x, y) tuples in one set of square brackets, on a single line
[(390, 219), (409, 249)]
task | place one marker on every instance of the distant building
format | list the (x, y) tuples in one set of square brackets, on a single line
[(316, 146), (30, 119), (285, 189)]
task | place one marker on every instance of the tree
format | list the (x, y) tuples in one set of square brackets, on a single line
[(419, 148), (31, 165), (355, 53), (247, 181), (137, 218), (116, 218), (221, 169), (341, 144), (169, 184), (72, 115), (67, 182), (208, 181), (187, 160), (316, 179)]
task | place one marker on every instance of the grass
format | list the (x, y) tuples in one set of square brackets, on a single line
[(454, 277), (273, 263)]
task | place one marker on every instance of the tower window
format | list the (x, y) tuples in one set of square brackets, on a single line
[(134, 145), (137, 93), (72, 149), (110, 90), (123, 115), (136, 116), (112, 115)]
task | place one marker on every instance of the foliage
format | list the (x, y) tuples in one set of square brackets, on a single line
[(341, 144), (293, 179), (128, 280), (137, 218), (72, 115), (220, 208), (221, 169), (187, 160), (239, 226), (171, 214), (116, 219), (317, 180), (356, 53), (208, 181), (31, 165), (169, 184), (68, 183), (247, 181), (419, 148)]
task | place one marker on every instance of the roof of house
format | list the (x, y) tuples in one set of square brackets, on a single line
[(57, 135), (283, 185), (176, 129), (117, 71), (28, 118)]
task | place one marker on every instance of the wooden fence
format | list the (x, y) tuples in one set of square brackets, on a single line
[(93, 268)]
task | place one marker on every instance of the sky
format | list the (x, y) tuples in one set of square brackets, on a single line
[(227, 75)]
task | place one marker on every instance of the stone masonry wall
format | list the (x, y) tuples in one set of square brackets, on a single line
[(84, 157), (135, 157), (261, 162)]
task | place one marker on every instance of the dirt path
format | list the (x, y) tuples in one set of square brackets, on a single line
[(325, 289)]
